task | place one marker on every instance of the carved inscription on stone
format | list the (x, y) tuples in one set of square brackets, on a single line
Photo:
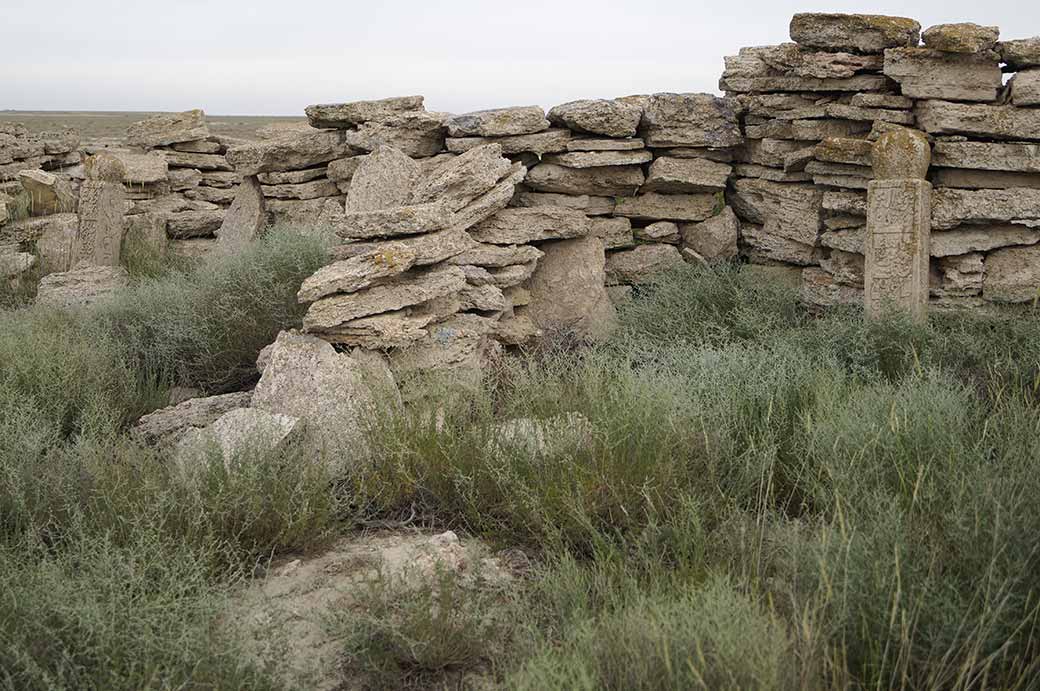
[(898, 224), (102, 205)]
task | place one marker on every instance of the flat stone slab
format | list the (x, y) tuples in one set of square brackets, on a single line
[(534, 224), (567, 292), (1012, 274), (863, 33), (597, 159), (641, 264), (610, 181), (965, 239), (347, 115), (997, 122), (927, 73), (653, 206), (166, 424), (384, 179), (297, 149), (500, 122), (1020, 53), (548, 141), (686, 175), (358, 272), (83, 286), (689, 120), (952, 207), (611, 118), (168, 128), (961, 38)]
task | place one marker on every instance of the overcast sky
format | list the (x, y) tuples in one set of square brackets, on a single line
[(273, 58)]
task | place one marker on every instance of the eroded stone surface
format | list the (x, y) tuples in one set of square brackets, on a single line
[(82, 286), (961, 38), (1012, 274), (168, 128), (500, 122), (641, 264), (345, 115), (714, 239), (863, 33), (598, 116)]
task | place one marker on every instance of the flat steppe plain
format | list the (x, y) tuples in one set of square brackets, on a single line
[(109, 127)]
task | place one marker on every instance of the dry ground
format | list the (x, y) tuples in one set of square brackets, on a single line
[(100, 127)]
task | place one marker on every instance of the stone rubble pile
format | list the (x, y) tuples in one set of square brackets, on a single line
[(37, 198), (179, 183), (811, 110)]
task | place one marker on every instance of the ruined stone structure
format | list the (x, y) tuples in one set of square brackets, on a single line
[(775, 173)]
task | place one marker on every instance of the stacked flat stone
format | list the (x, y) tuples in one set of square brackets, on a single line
[(410, 280), (179, 183), (37, 198), (809, 110)]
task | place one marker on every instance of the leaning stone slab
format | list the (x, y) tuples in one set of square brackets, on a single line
[(961, 38), (501, 122), (295, 150), (952, 207), (496, 199), (245, 217), (1012, 275), (653, 206), (48, 193), (600, 116), (237, 435), (690, 120), (392, 222), (409, 289), (997, 122), (396, 329), (714, 239), (686, 175), (82, 286), (1021, 53), (166, 424), (489, 255), (294, 177), (168, 128), (862, 33), (306, 378), (347, 115), (927, 73), (384, 179), (464, 178), (534, 224), (640, 265), (596, 159), (429, 248), (361, 271), (567, 292), (610, 181), (548, 141)]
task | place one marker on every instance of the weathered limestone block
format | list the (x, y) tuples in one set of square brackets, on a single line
[(820, 289), (838, 150), (927, 73), (384, 179), (590, 206), (862, 33), (859, 83), (997, 122), (82, 286), (1012, 274), (516, 330), (142, 169), (102, 206), (390, 222), (464, 178), (341, 171), (961, 38), (294, 150), (534, 224), (220, 197), (483, 298), (898, 228), (765, 247), (546, 142), (168, 128), (182, 179), (193, 224), (567, 291), (513, 275), (306, 378), (847, 268), (661, 231), (501, 122), (361, 271), (48, 193), (236, 435), (641, 264), (416, 133), (60, 142), (295, 177), (178, 159), (219, 178), (429, 248), (596, 159), (199, 146), (408, 289), (846, 239), (957, 276), (496, 199), (296, 213), (599, 116), (14, 264), (689, 120), (55, 244), (685, 175), (849, 112), (983, 179), (497, 256), (965, 239), (460, 346), (714, 239), (1021, 53), (902, 154), (616, 233), (952, 207), (1025, 88), (168, 424), (347, 115), (893, 101), (303, 190), (772, 152), (791, 211), (600, 144), (807, 130), (395, 329), (653, 206), (792, 60), (610, 181)]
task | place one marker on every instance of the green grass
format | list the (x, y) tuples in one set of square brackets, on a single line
[(768, 500)]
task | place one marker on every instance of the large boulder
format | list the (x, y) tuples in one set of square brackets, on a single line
[(306, 378), (567, 290)]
